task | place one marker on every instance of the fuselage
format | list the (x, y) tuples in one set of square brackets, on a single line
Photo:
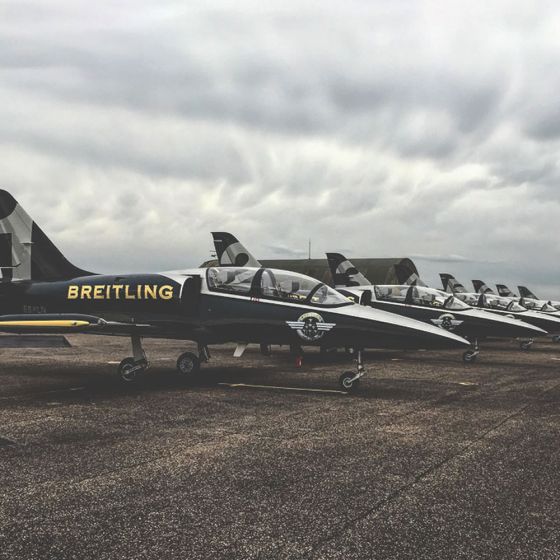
[(441, 309), (224, 304), (505, 307)]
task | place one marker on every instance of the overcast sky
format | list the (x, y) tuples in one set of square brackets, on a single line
[(129, 130)]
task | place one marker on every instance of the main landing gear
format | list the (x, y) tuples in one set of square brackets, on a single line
[(470, 355), (188, 363), (131, 368), (350, 381)]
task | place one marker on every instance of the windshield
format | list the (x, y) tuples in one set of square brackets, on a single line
[(274, 284), (419, 295)]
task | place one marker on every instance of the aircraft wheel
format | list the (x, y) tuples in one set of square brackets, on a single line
[(266, 349), (347, 383), (188, 363), (525, 346), (556, 338), (469, 357), (129, 370)]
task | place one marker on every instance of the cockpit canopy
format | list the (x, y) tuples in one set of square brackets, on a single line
[(267, 283), (538, 305), (419, 295), (492, 301)]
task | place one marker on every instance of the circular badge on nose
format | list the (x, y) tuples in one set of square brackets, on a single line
[(446, 321), (311, 326)]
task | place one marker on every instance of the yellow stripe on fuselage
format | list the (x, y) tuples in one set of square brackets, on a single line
[(55, 323)]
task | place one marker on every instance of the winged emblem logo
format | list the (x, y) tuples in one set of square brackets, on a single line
[(310, 326), (447, 321)]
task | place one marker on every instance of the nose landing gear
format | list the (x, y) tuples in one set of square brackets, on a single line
[(526, 345), (350, 381), (470, 355)]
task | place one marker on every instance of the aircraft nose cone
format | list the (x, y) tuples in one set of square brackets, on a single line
[(395, 331)]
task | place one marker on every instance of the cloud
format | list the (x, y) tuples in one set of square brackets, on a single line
[(130, 130)]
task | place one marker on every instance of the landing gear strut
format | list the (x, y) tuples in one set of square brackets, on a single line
[(470, 355), (525, 345), (131, 368), (188, 364), (350, 381)]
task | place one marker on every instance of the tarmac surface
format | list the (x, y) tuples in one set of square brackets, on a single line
[(433, 459)]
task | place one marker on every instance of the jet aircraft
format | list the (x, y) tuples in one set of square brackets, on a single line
[(530, 301), (539, 305), (42, 292), (415, 300), (500, 305)]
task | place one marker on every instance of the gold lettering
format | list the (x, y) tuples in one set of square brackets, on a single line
[(127, 294), (73, 292), (86, 292), (150, 291), (166, 292), (98, 292), (118, 290), (107, 291)]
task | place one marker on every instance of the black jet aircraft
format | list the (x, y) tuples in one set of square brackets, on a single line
[(531, 301), (500, 305), (415, 300), (533, 304), (42, 292)]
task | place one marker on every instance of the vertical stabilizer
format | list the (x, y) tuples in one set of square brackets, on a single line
[(231, 252), (344, 273), (26, 253), (451, 285), (481, 288), (504, 291)]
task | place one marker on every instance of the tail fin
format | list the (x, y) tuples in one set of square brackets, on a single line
[(231, 252), (451, 285), (481, 288), (26, 253), (504, 291), (524, 292), (344, 273), (405, 277)]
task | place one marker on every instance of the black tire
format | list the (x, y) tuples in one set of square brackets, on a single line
[(347, 385), (556, 338), (188, 364), (129, 371), (469, 357), (525, 346), (266, 350)]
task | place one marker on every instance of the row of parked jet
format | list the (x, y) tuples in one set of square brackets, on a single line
[(240, 301)]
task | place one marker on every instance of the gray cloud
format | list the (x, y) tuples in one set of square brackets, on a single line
[(132, 129)]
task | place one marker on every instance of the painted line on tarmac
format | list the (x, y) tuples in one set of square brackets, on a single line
[(301, 389), (114, 363)]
